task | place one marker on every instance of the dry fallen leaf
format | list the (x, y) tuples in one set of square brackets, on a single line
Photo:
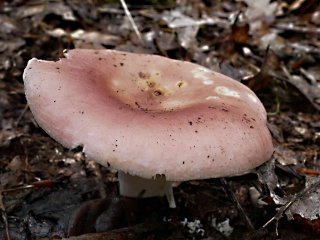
[(308, 204)]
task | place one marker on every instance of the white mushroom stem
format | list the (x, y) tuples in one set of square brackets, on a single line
[(134, 186)]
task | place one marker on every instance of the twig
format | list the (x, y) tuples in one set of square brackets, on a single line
[(293, 199), (305, 48), (133, 24), (39, 184), (295, 28), (4, 217), (277, 111), (21, 114), (17, 188), (279, 213), (235, 199)]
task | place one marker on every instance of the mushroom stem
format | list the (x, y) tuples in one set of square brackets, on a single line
[(134, 186)]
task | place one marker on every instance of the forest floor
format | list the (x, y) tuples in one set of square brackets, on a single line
[(49, 192)]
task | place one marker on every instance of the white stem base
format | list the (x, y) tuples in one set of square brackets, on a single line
[(134, 186)]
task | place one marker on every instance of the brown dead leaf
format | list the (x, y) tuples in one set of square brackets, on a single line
[(286, 156), (309, 91), (307, 202), (18, 164), (240, 33), (261, 80)]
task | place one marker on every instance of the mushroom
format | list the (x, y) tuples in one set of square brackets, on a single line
[(154, 119)]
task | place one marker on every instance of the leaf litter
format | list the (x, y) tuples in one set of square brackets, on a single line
[(271, 46)]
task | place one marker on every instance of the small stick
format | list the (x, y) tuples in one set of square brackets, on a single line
[(234, 198), (21, 114), (293, 199), (133, 24), (295, 28), (4, 217)]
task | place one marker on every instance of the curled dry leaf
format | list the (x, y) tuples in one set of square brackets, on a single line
[(307, 204)]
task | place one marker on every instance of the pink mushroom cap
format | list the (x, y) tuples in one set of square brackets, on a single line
[(147, 115)]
